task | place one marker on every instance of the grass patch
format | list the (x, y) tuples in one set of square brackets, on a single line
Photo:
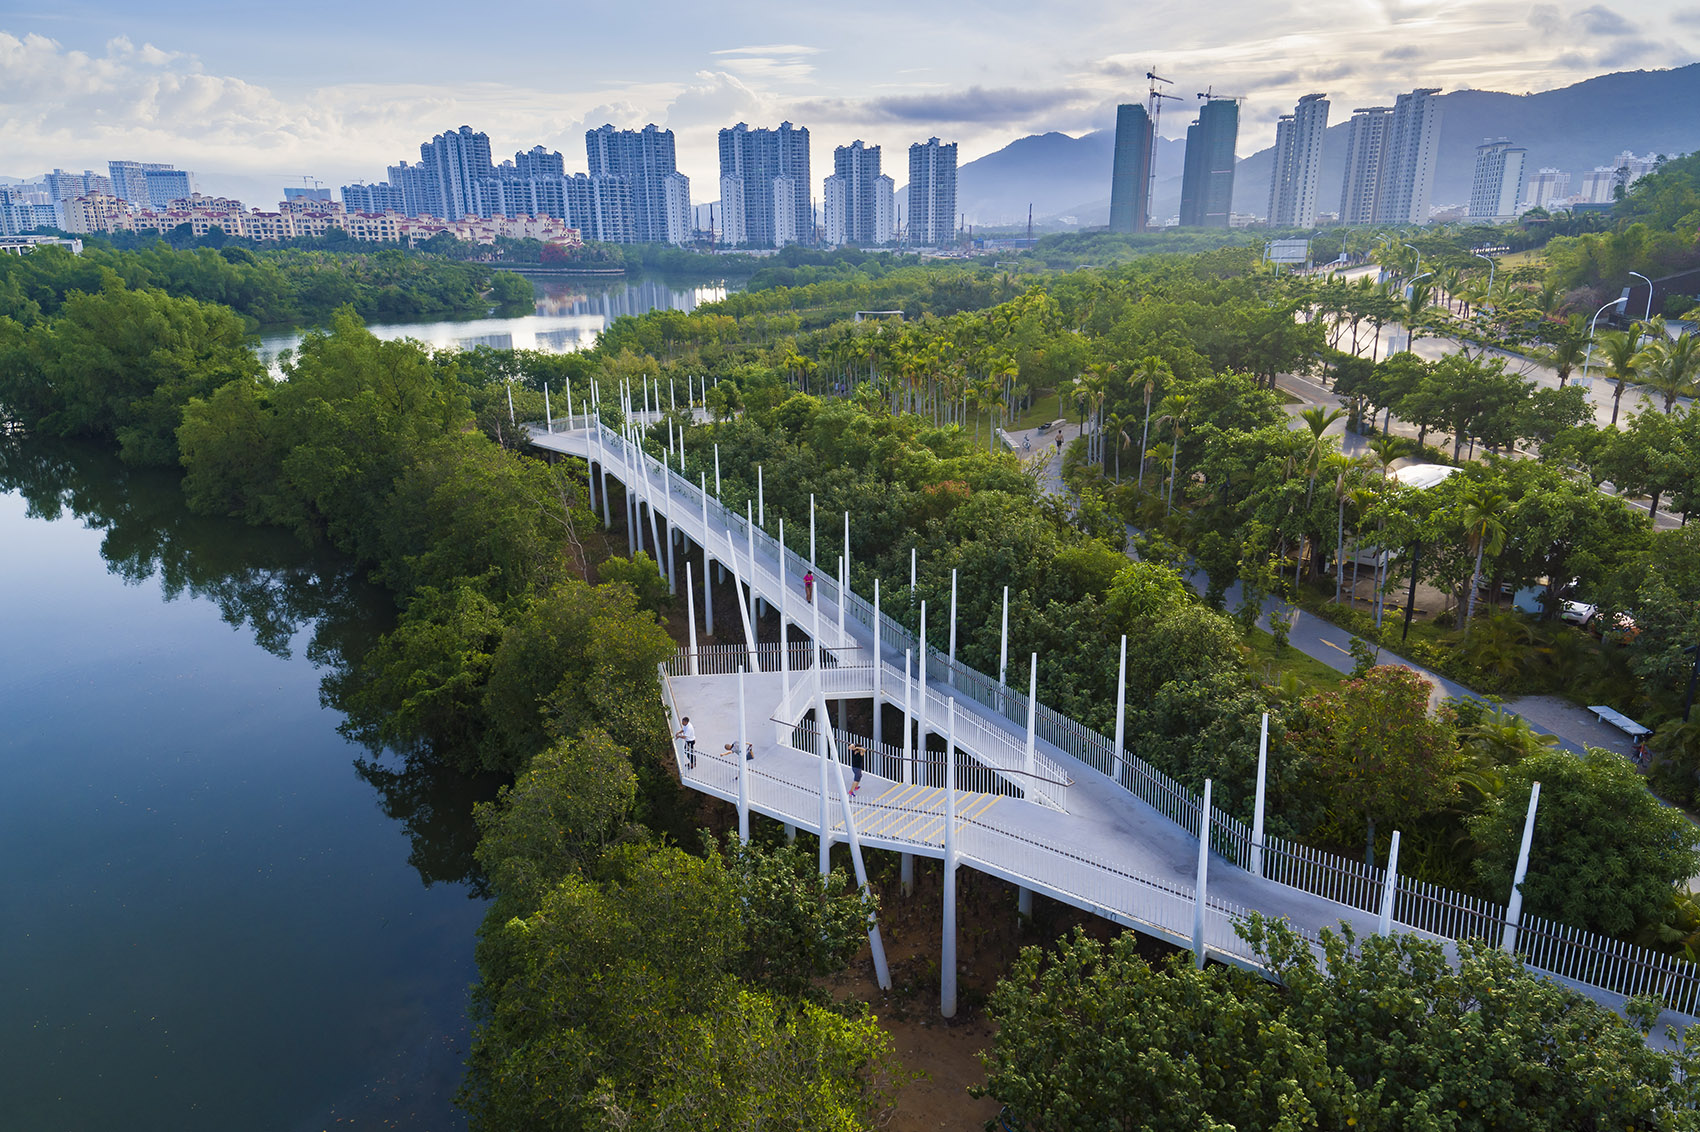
[(1271, 664)]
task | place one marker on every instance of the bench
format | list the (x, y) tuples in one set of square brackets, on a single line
[(1620, 721)]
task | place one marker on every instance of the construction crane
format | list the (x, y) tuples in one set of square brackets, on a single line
[(1154, 111), (1208, 95)]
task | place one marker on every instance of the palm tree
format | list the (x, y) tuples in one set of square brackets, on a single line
[(1150, 369), (1669, 366), (1569, 348), (1484, 516), (1175, 408), (1387, 449), (1411, 310), (1619, 349)]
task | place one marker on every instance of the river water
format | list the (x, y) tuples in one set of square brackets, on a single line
[(570, 315), (216, 912)]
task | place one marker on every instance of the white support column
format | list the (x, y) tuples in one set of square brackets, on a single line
[(1257, 807), (672, 400), (761, 500), (743, 779), (1121, 710), (1389, 888), (911, 577), (1024, 902), (654, 523), (843, 595), (691, 617), (1514, 906), (632, 512), (1003, 649), (953, 627), (947, 948), (548, 418), (906, 864), (602, 463), (921, 704), (707, 570), (1198, 948), (717, 469), (731, 563), (822, 726), (813, 561), (1032, 714)]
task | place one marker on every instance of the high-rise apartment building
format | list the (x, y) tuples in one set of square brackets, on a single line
[(1130, 177), (148, 184), (66, 186), (1547, 187), (454, 162), (932, 194), (859, 199), (1498, 183), (660, 194), (1408, 158), (764, 186), (1298, 164), (1207, 180), (1366, 138)]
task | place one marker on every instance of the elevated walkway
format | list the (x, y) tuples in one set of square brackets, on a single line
[(1026, 794)]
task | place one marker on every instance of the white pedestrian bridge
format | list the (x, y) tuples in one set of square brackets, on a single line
[(1028, 795)]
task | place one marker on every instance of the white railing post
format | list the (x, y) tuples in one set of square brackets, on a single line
[(822, 725), (691, 666), (1121, 711), (947, 949), (1032, 715), (784, 619), (1003, 650), (1514, 906), (740, 756), (1198, 947), (906, 864), (879, 730), (1257, 809), (707, 570), (952, 672), (1389, 887)]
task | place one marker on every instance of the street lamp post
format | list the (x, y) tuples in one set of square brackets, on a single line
[(1621, 300), (1491, 266), (1648, 317), (1419, 252)]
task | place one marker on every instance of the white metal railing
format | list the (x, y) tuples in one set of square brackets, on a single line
[(1570, 953)]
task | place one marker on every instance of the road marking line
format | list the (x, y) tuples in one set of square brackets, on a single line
[(1332, 645)]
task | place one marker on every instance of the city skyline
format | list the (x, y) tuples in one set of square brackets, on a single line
[(176, 86)]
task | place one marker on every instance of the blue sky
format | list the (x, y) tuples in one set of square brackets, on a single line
[(253, 97)]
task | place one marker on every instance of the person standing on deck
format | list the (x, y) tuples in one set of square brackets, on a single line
[(857, 755), (809, 587), (689, 735)]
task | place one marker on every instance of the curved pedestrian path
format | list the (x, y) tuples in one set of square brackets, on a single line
[(1026, 794)]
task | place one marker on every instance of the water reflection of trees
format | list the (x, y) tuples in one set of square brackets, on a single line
[(261, 580)]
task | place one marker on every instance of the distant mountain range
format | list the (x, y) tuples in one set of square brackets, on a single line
[(1573, 128)]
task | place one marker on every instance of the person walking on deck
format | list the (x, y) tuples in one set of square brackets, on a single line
[(857, 756), (809, 587)]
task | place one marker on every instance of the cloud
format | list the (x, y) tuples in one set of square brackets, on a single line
[(1407, 52), (972, 105), (1688, 17), (1600, 20), (769, 49), (773, 63)]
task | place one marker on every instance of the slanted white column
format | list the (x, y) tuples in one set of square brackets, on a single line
[(548, 418), (750, 530), (882, 973), (1121, 711), (813, 561), (921, 704), (1514, 906), (947, 948), (1032, 717), (906, 865), (911, 577), (707, 570), (717, 469), (846, 587), (743, 778), (672, 528), (731, 563), (513, 421), (952, 672), (691, 617), (843, 595), (569, 393), (1257, 807), (761, 500), (1203, 874), (672, 400), (602, 465), (1003, 649), (1389, 887)]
